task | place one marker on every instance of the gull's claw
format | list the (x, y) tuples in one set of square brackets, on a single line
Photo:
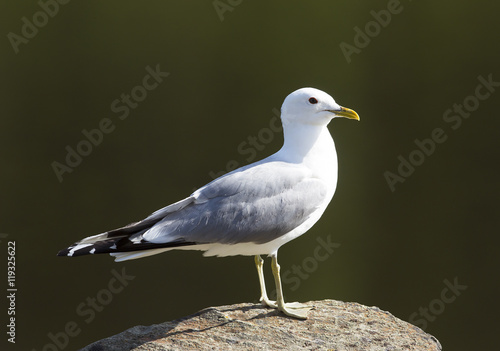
[(297, 305), (268, 303), (294, 310)]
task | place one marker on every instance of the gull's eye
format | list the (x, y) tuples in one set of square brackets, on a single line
[(313, 101)]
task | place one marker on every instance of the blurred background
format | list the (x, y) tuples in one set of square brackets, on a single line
[(112, 110)]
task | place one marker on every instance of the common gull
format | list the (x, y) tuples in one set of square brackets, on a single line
[(252, 210)]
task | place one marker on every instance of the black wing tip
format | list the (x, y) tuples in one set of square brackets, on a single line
[(110, 246), (64, 252)]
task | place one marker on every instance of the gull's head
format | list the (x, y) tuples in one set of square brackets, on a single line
[(314, 107)]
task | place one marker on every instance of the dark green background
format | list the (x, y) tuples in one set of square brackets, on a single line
[(226, 77)]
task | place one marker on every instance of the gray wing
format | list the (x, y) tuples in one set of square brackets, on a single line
[(257, 203)]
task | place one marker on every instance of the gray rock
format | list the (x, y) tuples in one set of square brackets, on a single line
[(332, 325)]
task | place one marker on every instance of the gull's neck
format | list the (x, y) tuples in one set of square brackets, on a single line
[(312, 146)]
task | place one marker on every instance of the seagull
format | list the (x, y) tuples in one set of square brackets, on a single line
[(251, 211)]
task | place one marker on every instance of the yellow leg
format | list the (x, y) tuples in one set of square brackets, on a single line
[(259, 263), (299, 310)]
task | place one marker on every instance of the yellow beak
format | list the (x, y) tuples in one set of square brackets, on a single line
[(346, 112)]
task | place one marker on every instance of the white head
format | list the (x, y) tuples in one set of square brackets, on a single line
[(314, 107)]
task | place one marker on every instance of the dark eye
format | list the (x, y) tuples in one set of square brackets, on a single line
[(313, 101)]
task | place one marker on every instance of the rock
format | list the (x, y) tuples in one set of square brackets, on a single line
[(332, 325)]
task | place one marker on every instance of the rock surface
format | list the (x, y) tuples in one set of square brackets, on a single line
[(332, 325)]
